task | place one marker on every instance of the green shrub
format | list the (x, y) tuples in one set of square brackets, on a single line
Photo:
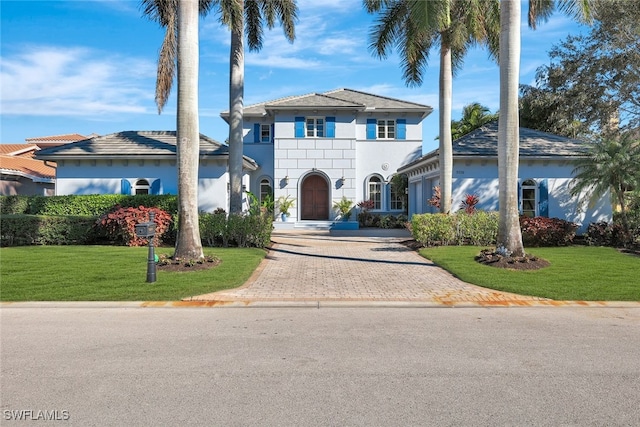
[(94, 204), (478, 229), (22, 230), (434, 229), (242, 230), (14, 205), (461, 228)]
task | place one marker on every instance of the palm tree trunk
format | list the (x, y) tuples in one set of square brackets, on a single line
[(188, 243), (446, 150), (236, 95), (509, 234)]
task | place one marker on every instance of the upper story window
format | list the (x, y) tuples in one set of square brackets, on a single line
[(263, 132), (386, 129), (315, 127)]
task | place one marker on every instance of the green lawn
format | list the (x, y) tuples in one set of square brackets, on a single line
[(113, 273), (576, 273)]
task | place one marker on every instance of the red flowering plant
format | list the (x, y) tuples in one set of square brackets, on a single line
[(120, 224), (469, 203), (435, 199)]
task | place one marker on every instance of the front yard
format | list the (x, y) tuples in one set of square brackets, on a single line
[(113, 273), (576, 272)]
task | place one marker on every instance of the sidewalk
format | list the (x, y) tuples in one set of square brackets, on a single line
[(363, 266)]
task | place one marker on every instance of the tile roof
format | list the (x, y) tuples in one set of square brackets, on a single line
[(129, 144), (23, 150), (483, 142), (334, 99), (69, 137), (30, 168)]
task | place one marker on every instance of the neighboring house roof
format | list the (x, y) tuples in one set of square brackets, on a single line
[(22, 150), (35, 170), (338, 99), (68, 137), (483, 142), (134, 144)]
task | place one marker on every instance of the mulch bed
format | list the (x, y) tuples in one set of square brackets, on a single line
[(491, 258), (169, 264)]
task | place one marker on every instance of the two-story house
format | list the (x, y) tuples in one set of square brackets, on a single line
[(313, 148), (319, 147)]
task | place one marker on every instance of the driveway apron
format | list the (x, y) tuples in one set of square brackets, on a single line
[(362, 265)]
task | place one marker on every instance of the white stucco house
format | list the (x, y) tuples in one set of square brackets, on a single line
[(545, 171), (315, 148)]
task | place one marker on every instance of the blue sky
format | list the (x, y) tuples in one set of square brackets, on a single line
[(90, 67)]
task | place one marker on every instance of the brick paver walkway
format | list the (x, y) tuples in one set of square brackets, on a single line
[(319, 266)]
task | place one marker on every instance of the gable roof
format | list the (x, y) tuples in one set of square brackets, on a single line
[(338, 99), (35, 170), (68, 137), (483, 142), (134, 144)]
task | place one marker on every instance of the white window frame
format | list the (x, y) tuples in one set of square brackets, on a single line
[(142, 186), (395, 199), (378, 181), (386, 129), (265, 181), (529, 184), (315, 127)]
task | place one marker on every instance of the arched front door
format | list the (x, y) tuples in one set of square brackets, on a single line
[(315, 198)]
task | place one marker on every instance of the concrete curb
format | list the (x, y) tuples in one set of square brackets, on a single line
[(316, 304)]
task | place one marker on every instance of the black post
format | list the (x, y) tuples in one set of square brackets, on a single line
[(151, 261)]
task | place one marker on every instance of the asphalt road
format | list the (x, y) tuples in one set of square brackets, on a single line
[(321, 367)]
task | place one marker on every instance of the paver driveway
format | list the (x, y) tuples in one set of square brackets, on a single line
[(355, 266)]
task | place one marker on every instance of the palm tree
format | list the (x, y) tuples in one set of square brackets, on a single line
[(509, 233), (474, 116), (414, 27), (611, 165), (255, 12), (249, 15), (180, 17)]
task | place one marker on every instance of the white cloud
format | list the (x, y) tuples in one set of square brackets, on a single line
[(48, 81)]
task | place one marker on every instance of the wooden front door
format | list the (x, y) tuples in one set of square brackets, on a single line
[(315, 198)]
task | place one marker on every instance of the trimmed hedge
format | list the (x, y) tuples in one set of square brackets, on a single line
[(94, 204), (22, 230), (461, 228), (235, 230), (481, 229)]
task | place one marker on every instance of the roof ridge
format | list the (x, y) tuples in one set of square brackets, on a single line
[(378, 96)]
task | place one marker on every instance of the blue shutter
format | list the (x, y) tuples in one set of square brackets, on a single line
[(125, 187), (372, 124), (543, 198), (299, 127), (155, 187), (401, 124), (331, 127), (256, 132), (519, 197), (273, 131)]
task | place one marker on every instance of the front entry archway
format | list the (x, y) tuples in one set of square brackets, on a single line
[(315, 198)]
